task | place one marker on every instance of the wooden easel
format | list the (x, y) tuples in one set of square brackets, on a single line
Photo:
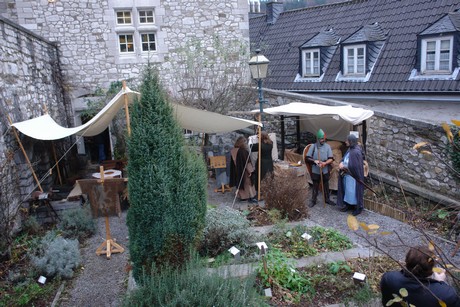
[(109, 246), (220, 162)]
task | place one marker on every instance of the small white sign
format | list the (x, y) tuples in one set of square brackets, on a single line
[(359, 276), (260, 244), (42, 280), (268, 292), (306, 236), (234, 251)]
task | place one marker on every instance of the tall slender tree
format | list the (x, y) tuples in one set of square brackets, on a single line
[(167, 183)]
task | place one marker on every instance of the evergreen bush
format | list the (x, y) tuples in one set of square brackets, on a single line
[(194, 286), (167, 183), (224, 228), (56, 256), (77, 224)]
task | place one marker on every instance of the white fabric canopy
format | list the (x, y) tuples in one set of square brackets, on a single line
[(45, 128), (336, 121), (208, 122)]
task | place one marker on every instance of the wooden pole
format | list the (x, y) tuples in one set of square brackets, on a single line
[(259, 159), (57, 163), (25, 154), (128, 123)]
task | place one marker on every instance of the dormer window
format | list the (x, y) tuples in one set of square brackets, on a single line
[(360, 52), (315, 56), (436, 55), (354, 60), (437, 59), (311, 62)]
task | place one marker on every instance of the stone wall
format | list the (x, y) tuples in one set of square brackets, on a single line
[(85, 32), (389, 147), (30, 85)]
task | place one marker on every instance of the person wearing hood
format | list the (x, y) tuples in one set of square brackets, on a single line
[(320, 156), (350, 190), (424, 286), (241, 169)]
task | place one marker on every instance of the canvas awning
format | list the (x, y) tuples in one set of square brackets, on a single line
[(208, 122), (45, 128), (336, 121)]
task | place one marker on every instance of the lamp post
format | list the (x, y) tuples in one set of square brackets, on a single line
[(258, 65)]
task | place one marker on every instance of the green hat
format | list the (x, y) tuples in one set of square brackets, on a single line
[(320, 134)]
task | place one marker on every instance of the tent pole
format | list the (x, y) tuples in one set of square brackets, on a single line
[(57, 163), (283, 142), (128, 124), (24, 152), (297, 127), (260, 155), (54, 152)]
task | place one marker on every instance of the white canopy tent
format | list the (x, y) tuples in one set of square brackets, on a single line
[(45, 128), (336, 121)]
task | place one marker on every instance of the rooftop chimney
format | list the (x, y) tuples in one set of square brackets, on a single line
[(274, 9)]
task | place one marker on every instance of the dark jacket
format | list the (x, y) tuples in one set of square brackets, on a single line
[(266, 161), (392, 282), (237, 169)]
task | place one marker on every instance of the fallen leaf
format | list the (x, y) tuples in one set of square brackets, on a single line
[(352, 222), (418, 145), (449, 135), (364, 226)]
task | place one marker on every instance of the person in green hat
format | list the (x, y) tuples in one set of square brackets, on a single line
[(320, 156)]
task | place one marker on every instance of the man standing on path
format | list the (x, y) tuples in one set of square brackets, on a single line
[(320, 156)]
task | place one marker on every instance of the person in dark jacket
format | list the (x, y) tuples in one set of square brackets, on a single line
[(350, 190), (241, 169), (424, 288), (266, 159)]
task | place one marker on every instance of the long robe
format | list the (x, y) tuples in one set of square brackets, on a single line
[(241, 166), (351, 192), (266, 162)]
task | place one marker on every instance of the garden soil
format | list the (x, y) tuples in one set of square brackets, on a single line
[(103, 282)]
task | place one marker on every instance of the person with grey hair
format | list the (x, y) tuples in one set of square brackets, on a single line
[(350, 192)]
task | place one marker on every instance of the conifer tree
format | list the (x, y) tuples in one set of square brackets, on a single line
[(167, 184)]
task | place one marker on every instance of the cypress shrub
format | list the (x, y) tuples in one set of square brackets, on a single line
[(167, 184)]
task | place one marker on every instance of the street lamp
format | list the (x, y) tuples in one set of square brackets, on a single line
[(258, 65)]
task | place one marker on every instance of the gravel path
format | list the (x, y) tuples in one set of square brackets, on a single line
[(103, 282)]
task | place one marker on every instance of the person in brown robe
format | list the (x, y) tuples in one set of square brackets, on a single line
[(241, 169)]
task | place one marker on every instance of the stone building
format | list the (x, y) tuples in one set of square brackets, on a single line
[(55, 56)]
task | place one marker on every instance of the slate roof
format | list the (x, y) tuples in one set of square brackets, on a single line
[(397, 22)]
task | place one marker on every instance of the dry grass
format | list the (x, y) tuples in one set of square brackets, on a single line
[(287, 194)]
